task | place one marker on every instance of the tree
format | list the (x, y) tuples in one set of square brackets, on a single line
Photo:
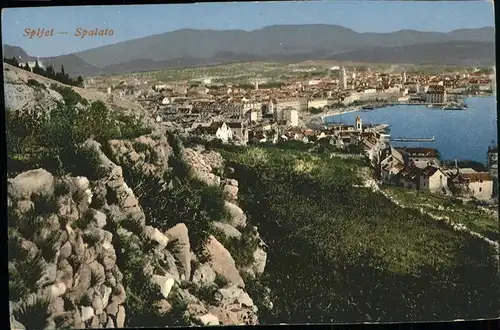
[(79, 81), (50, 73), (37, 69), (27, 67)]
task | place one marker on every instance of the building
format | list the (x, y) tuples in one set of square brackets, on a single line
[(473, 184), (435, 96), (224, 133), (433, 180), (493, 168), (291, 116), (420, 157), (358, 124), (343, 79), (32, 64)]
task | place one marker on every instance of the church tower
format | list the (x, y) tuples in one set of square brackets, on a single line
[(343, 79), (359, 124)]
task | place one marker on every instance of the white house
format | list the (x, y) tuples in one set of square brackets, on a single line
[(291, 116), (224, 133), (480, 185), (432, 179)]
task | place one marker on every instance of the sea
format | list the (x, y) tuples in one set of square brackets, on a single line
[(462, 135)]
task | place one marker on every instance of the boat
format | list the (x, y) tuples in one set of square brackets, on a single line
[(454, 106)]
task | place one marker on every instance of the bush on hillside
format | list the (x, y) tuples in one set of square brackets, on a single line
[(51, 140), (36, 84)]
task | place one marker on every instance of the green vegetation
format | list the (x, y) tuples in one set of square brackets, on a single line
[(470, 215), (49, 72), (189, 200), (344, 254), (36, 84), (242, 248), (52, 140)]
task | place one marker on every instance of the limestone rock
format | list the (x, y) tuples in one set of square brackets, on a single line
[(228, 230), (87, 313), (235, 295), (260, 259), (35, 182), (203, 274), (237, 217), (208, 319), (120, 317), (165, 283), (231, 192), (99, 219), (163, 306), (58, 289), (155, 235), (222, 262), (179, 234)]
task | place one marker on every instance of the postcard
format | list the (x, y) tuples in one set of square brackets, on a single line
[(251, 163)]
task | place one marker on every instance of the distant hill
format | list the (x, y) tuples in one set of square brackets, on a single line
[(450, 53), (188, 47), (73, 65)]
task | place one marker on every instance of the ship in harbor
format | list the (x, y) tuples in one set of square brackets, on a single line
[(454, 106)]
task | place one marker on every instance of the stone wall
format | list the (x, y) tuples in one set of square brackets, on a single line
[(82, 280)]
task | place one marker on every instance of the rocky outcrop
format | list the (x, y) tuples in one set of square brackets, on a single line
[(79, 277), (145, 153), (80, 223), (203, 164)]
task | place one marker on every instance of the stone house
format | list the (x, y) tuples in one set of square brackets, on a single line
[(433, 180), (473, 184)]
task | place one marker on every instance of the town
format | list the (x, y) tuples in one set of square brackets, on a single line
[(258, 111), (254, 111)]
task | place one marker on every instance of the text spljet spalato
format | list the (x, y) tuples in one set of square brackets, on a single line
[(79, 32)]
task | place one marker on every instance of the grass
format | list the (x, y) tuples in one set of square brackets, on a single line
[(349, 252), (471, 216)]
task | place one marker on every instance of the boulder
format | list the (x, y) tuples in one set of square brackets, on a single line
[(98, 219), (208, 319), (87, 313), (179, 233), (228, 230), (231, 192), (204, 274), (237, 217), (165, 283), (58, 289), (235, 295), (232, 182), (35, 182), (163, 306), (260, 259), (154, 234), (222, 262), (120, 317)]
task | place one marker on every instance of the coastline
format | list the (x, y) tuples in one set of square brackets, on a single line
[(317, 118)]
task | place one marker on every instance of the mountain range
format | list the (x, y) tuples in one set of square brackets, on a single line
[(287, 43)]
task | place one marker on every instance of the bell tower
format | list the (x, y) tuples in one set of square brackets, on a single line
[(358, 124)]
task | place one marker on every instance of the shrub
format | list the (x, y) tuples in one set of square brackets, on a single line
[(36, 84), (33, 312)]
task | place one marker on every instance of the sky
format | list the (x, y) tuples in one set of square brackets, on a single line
[(136, 21)]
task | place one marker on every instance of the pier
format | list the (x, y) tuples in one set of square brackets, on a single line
[(417, 139)]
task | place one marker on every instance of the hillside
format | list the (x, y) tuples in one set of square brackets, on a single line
[(114, 225), (338, 253), (20, 95), (272, 43)]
